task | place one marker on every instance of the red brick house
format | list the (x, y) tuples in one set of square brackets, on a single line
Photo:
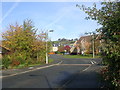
[(85, 45)]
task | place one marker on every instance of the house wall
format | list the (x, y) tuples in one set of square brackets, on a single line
[(0, 55), (86, 45), (0, 52), (55, 49)]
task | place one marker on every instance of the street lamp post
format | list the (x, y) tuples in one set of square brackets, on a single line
[(47, 45)]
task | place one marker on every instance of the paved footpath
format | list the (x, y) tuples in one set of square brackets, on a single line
[(13, 72)]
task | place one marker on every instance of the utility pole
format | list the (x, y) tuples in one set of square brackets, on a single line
[(93, 45), (93, 42)]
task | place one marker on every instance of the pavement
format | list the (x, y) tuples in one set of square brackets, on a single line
[(13, 72)]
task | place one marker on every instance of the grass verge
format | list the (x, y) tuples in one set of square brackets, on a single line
[(24, 65), (50, 60), (79, 56), (31, 65)]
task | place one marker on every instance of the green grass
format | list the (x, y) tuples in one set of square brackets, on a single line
[(79, 56), (50, 60), (30, 65), (24, 66)]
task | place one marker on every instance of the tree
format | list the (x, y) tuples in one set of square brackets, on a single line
[(61, 49), (75, 39), (109, 17), (63, 39), (59, 39), (26, 47)]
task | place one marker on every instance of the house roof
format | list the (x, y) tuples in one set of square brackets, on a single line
[(0, 50), (88, 38), (1, 46)]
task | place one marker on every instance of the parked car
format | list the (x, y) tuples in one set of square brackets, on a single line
[(66, 53)]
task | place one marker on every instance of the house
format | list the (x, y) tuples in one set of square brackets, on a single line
[(3, 50), (54, 49), (0, 52), (67, 49), (85, 45), (75, 49), (0, 49)]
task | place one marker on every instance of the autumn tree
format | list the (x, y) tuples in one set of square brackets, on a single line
[(61, 49), (25, 46)]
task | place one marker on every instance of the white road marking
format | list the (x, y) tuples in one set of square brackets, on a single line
[(60, 63), (92, 62), (30, 67), (86, 68)]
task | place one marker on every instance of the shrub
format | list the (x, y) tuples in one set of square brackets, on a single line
[(6, 61)]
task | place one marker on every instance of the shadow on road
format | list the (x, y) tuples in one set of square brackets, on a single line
[(81, 80), (44, 76)]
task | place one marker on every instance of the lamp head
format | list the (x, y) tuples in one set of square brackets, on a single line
[(51, 30)]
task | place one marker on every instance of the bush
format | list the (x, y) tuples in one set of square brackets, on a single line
[(6, 61), (108, 16)]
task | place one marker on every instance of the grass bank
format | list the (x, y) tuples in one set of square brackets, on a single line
[(30, 65), (79, 56)]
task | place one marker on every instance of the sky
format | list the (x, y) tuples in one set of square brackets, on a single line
[(67, 20)]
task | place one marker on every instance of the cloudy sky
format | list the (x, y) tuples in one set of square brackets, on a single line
[(67, 20)]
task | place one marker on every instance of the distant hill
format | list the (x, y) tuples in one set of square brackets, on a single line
[(64, 41)]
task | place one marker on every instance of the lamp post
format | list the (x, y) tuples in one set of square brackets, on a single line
[(47, 45)]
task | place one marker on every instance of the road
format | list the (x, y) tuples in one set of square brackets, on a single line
[(69, 73)]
